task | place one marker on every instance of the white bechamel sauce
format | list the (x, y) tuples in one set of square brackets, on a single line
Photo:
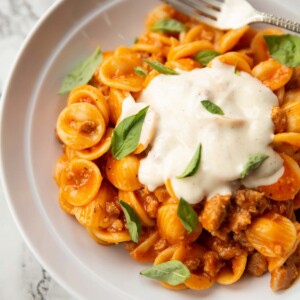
[(234, 14), (227, 141)]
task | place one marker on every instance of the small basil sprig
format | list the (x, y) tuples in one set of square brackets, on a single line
[(159, 67), (173, 272), (212, 108), (193, 165), (134, 224), (127, 134), (168, 25), (253, 163), (205, 56), (284, 48), (83, 73), (140, 71), (187, 216)]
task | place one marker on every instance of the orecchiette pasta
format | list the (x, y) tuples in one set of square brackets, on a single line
[(251, 230)]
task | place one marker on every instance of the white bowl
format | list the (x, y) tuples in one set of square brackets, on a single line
[(69, 32)]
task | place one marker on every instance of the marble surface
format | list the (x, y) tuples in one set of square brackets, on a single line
[(21, 276)]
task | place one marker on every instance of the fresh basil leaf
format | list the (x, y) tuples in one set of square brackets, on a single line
[(284, 48), (159, 67), (237, 71), (187, 216), (82, 74), (127, 134), (193, 165), (253, 163), (205, 56), (212, 108), (136, 39), (173, 272), (134, 224), (140, 71), (168, 25)]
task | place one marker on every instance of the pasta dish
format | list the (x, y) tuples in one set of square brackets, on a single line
[(184, 147)]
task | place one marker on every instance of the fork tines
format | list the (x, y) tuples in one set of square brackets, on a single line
[(204, 10)]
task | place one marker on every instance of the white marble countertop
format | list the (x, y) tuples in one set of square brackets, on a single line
[(21, 276)]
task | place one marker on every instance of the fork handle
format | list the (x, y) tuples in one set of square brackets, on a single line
[(277, 21)]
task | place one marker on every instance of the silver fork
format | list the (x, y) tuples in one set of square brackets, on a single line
[(229, 14)]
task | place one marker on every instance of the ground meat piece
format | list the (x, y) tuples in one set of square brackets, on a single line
[(130, 246), (279, 119), (284, 208), (239, 220), (112, 209), (160, 245), (214, 212), (149, 201), (212, 263), (226, 250), (87, 127), (116, 226), (241, 239), (257, 264), (283, 277), (223, 232), (252, 201), (192, 264), (296, 257)]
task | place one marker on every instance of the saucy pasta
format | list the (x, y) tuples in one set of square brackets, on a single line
[(108, 131)]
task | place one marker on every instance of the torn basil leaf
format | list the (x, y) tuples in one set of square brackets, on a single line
[(212, 108), (140, 71), (187, 216), (284, 48), (83, 73), (134, 224), (205, 56), (173, 272), (193, 165), (127, 134), (168, 25), (253, 163), (159, 67)]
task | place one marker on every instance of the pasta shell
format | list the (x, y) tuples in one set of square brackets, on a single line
[(288, 185), (59, 166), (123, 174), (90, 94), (170, 227), (230, 275), (80, 181), (292, 110), (272, 74), (65, 205), (133, 201), (98, 150), (198, 282), (80, 126), (115, 101), (104, 237), (272, 235)]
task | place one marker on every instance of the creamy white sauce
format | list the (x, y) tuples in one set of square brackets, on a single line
[(227, 141)]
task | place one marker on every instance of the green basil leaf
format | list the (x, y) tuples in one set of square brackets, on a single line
[(187, 216), (134, 224), (173, 272), (284, 48), (212, 108), (205, 56), (193, 165), (127, 134), (83, 73), (253, 163), (168, 25), (237, 71), (159, 67), (140, 71)]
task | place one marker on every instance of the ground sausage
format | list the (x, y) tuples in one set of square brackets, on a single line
[(279, 119), (283, 277), (214, 212), (212, 264), (257, 264)]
